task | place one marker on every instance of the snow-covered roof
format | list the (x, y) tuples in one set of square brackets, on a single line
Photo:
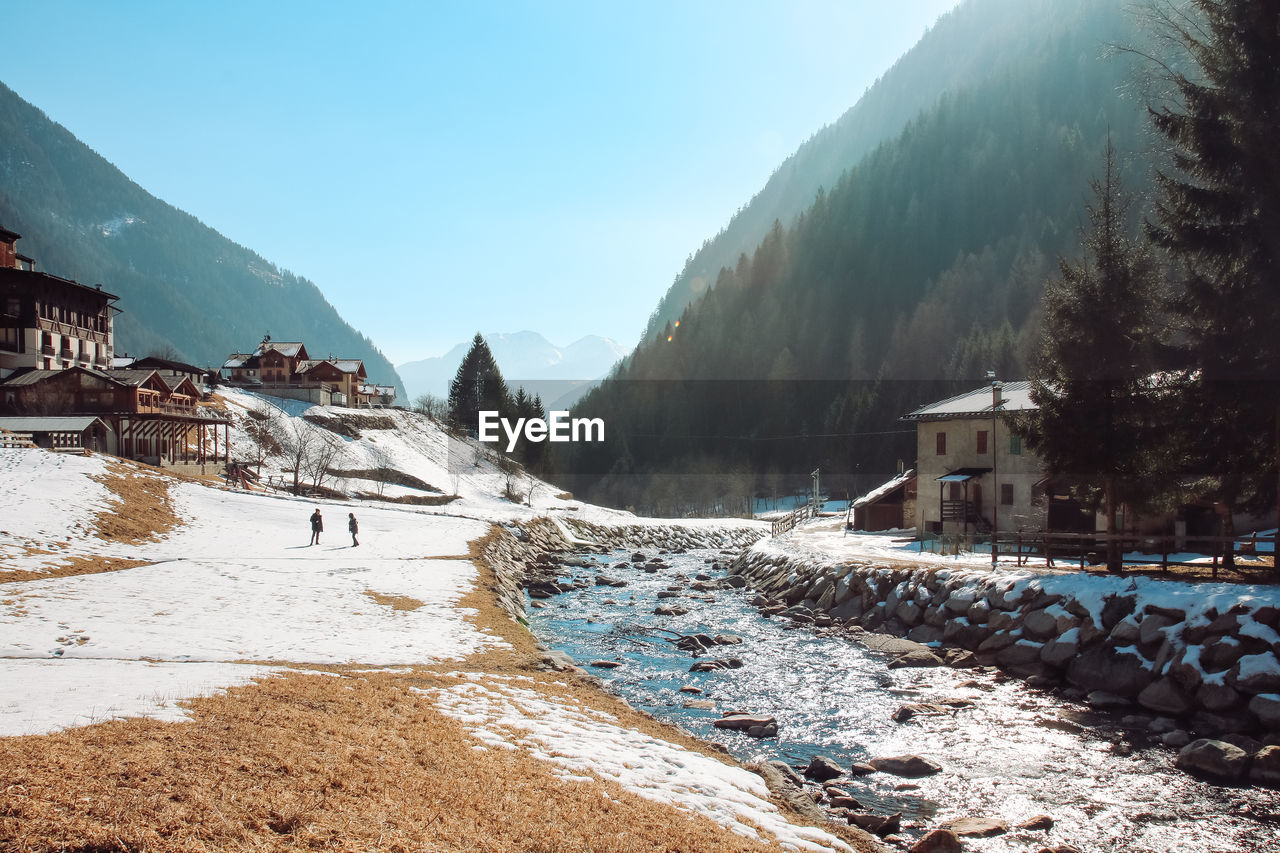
[(236, 359), (885, 488), (289, 349), (346, 365), (64, 423), (1016, 397)]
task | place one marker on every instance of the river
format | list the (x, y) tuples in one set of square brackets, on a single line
[(1013, 754)]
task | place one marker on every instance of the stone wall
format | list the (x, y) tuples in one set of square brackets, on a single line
[(520, 553), (1200, 660)]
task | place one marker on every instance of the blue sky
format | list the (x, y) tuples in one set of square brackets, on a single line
[(439, 168)]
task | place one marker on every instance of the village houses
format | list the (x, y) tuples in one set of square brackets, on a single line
[(59, 389), (285, 369)]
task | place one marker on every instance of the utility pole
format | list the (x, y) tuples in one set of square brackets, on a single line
[(814, 475), (996, 403)]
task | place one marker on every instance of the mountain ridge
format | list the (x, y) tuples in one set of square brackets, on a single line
[(184, 288)]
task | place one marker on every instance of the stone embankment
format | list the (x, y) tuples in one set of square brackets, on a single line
[(536, 553), (1179, 660)]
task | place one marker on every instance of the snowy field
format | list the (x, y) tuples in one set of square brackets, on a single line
[(235, 593), (237, 582)]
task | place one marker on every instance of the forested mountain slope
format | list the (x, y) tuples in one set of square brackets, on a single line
[(183, 287), (979, 41), (920, 268)]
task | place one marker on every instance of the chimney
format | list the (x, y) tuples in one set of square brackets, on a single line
[(997, 391)]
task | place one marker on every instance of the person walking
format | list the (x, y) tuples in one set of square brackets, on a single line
[(354, 527), (317, 527)]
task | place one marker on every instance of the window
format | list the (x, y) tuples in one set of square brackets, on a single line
[(1015, 445), (1006, 494), (982, 441), (942, 444)]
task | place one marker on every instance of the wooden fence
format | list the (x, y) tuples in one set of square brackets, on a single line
[(789, 521), (1087, 548), (11, 439)]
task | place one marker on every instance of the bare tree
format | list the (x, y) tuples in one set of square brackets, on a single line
[(321, 453), (265, 431), (432, 406)]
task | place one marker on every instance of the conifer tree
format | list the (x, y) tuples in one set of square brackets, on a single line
[(1092, 376), (477, 386), (1219, 214)]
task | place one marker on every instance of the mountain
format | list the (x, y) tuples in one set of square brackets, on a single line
[(185, 290), (920, 268), (978, 42), (560, 375)]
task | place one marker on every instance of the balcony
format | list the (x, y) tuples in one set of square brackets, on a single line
[(47, 349)]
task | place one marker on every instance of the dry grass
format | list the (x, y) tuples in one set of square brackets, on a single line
[(70, 567), (145, 512), (352, 761), (395, 602)]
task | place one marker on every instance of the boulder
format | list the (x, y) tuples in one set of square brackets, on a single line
[(1059, 651), (1164, 696), (700, 704), (1152, 630), (667, 608), (925, 634), (822, 768), (742, 722), (714, 665), (1105, 700), (1266, 707), (1220, 653), (1175, 739), (1104, 669), (1218, 697), (605, 664), (977, 827), (1258, 673), (937, 841), (1264, 770), (844, 802), (1001, 621), (915, 658), (908, 766), (881, 825), (769, 729), (1040, 624), (861, 768), (1019, 654), (1213, 758), (787, 772), (1115, 608), (1039, 822), (1125, 632)]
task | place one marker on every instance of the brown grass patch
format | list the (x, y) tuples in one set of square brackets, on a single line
[(395, 602), (356, 761), (145, 512), (351, 763), (70, 567)]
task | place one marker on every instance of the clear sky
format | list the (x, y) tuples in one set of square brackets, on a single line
[(439, 168)]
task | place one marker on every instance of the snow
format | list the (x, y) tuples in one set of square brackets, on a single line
[(582, 741), (235, 594)]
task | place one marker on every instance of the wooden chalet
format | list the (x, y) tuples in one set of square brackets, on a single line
[(889, 506), (345, 376), (149, 419), (47, 322)]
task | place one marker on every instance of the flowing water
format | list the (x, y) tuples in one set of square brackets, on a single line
[(1013, 754)]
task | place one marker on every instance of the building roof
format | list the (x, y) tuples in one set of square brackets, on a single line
[(285, 348), (166, 364), (885, 488), (1016, 397), (11, 235), (346, 365), (32, 276), (54, 423), (236, 359)]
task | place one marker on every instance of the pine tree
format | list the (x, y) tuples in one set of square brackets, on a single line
[(477, 386), (1219, 214), (1092, 375)]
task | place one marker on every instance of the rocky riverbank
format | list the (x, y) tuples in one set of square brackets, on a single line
[(1196, 665)]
